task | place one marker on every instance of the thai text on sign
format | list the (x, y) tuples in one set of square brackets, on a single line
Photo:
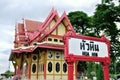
[(87, 47)]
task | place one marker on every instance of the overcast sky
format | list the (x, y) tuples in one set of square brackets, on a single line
[(12, 11)]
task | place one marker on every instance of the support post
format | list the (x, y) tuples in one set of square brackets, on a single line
[(70, 70), (14, 64), (28, 59), (18, 72), (28, 71), (106, 71), (44, 71), (45, 63), (15, 71)]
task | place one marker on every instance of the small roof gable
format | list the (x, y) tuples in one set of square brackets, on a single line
[(53, 15), (20, 28), (31, 26), (64, 19)]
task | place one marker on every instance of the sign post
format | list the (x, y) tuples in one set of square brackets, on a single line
[(85, 48)]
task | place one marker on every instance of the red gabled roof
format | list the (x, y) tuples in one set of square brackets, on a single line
[(33, 30), (20, 29), (64, 16), (31, 26), (45, 24), (19, 33)]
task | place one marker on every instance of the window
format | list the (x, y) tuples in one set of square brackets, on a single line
[(50, 55), (49, 39), (57, 67), (34, 57), (55, 40), (49, 66), (64, 67), (61, 41), (57, 55), (34, 68)]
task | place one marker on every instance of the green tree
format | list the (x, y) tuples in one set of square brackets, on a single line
[(99, 72), (7, 74), (80, 21), (104, 20)]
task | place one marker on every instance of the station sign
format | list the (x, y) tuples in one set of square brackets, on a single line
[(84, 47)]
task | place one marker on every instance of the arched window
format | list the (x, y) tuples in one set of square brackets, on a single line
[(64, 67), (57, 67), (49, 66), (34, 68)]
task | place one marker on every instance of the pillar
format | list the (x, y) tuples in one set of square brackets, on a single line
[(44, 52), (28, 71), (44, 71), (14, 64), (106, 71), (18, 61), (18, 70), (70, 70), (28, 59)]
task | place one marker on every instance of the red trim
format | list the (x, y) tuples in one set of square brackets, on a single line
[(50, 17), (46, 25), (64, 14), (22, 34), (56, 25), (52, 47), (106, 71), (46, 45)]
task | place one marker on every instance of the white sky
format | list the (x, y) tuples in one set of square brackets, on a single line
[(12, 11)]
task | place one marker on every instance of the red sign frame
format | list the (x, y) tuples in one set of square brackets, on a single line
[(71, 58)]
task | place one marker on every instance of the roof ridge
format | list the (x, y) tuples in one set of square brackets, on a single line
[(51, 15), (56, 25)]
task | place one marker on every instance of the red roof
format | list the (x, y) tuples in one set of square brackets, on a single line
[(33, 29), (20, 28), (31, 25)]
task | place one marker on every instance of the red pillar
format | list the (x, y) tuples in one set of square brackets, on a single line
[(44, 71), (15, 70), (70, 70), (106, 71), (18, 70), (28, 71)]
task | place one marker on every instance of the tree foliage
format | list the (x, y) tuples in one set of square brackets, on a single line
[(80, 21), (7, 74), (102, 22)]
